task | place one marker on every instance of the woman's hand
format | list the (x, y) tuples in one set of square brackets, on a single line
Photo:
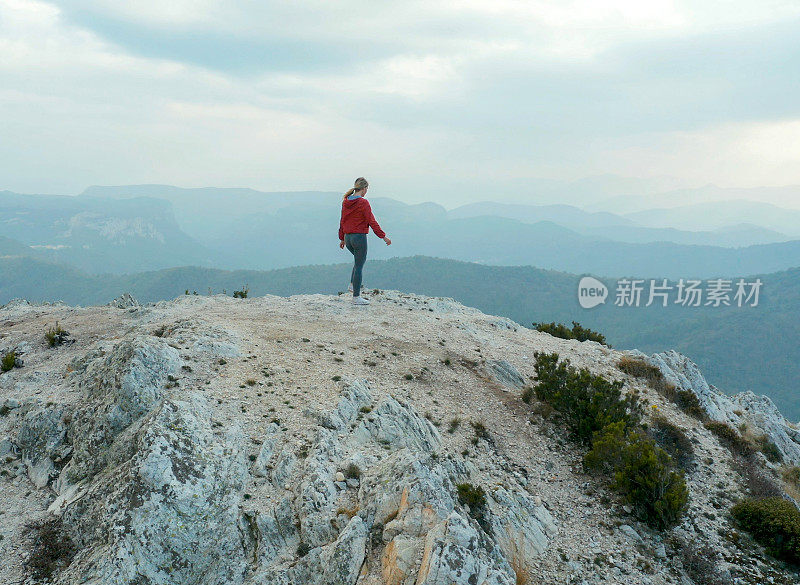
[(341, 244), (388, 241)]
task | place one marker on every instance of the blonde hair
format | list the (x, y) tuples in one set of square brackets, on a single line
[(360, 184)]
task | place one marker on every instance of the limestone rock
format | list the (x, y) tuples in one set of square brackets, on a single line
[(396, 425), (746, 407), (156, 518), (506, 374), (43, 443), (125, 301), (122, 386)]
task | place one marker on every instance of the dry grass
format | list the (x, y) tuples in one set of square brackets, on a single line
[(683, 399), (349, 512), (791, 480), (51, 549)]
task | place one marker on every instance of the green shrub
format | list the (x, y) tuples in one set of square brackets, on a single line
[(55, 335), (641, 472), (588, 402), (689, 403), (686, 400), (471, 495), (730, 438), (474, 496), (673, 440), (769, 449), (241, 294), (8, 361), (774, 522), (577, 332)]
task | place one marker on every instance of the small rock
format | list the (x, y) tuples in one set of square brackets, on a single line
[(660, 551), (7, 447), (630, 533), (339, 476)]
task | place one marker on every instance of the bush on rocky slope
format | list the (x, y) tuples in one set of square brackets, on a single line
[(8, 361), (577, 332), (642, 472), (601, 416), (673, 440), (587, 402), (686, 400), (774, 522)]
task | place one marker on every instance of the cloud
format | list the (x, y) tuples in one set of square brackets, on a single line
[(469, 97)]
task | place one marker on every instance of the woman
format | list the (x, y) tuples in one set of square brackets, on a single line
[(354, 226)]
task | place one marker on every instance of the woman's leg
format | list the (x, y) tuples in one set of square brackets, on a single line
[(357, 244)]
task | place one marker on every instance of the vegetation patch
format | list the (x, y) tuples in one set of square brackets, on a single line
[(730, 438), (773, 522), (453, 425), (588, 403), (686, 400), (577, 332), (52, 549), (481, 432), (673, 440), (474, 497), (601, 417), (352, 471), (642, 472), (56, 336), (9, 361), (241, 294), (699, 562)]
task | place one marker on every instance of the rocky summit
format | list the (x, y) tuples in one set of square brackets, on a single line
[(212, 440)]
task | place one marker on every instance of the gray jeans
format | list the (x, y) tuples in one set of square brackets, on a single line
[(357, 244)]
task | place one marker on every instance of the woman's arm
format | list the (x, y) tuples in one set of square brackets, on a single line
[(373, 223)]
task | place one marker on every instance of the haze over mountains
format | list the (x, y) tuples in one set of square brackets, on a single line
[(146, 227)]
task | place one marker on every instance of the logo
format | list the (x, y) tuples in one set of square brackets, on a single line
[(591, 292)]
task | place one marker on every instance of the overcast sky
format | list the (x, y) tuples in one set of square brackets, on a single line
[(429, 100)]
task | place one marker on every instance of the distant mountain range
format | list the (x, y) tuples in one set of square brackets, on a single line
[(97, 234), (135, 228), (748, 348), (719, 215)]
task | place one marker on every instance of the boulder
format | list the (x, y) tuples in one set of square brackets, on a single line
[(169, 514), (121, 387), (397, 426), (506, 374)]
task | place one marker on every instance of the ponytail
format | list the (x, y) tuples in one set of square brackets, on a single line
[(360, 184)]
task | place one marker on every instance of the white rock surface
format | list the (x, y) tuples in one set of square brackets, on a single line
[(297, 440)]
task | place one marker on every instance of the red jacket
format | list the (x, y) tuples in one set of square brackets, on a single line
[(357, 218)]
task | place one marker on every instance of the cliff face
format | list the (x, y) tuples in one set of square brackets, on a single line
[(211, 440)]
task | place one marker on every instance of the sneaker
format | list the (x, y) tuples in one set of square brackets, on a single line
[(360, 301), (350, 288)]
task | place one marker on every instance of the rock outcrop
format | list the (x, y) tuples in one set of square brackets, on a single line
[(277, 441), (746, 408)]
